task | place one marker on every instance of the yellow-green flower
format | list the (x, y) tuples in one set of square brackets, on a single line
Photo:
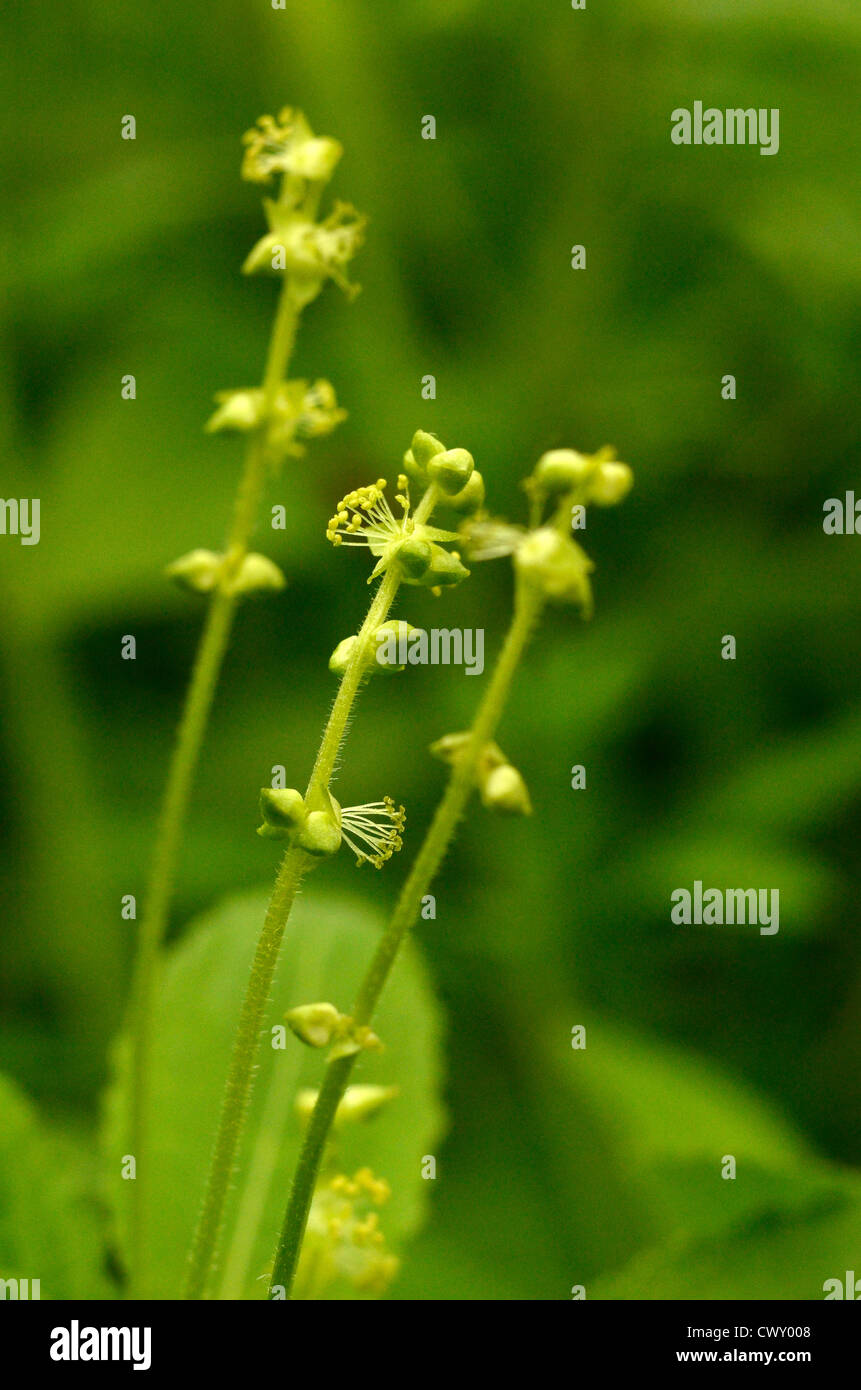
[(300, 410), (364, 517), (288, 146), (309, 252), (343, 1239)]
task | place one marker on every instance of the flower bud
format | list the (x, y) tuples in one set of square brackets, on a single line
[(359, 1102), (563, 470), (272, 832), (355, 1040), (390, 638), (425, 447), (340, 658), (412, 470), (256, 574), (611, 484), (316, 158), (471, 497), (557, 566), (197, 571), (314, 1024), (414, 557), (505, 790), (451, 470), (450, 746), (320, 836), (445, 568), (282, 807), (237, 410)]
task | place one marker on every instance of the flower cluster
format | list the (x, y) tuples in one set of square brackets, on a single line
[(343, 1240), (364, 517), (546, 558), (309, 252), (297, 245), (319, 1025), (373, 831), (501, 786), (202, 571), (300, 410)]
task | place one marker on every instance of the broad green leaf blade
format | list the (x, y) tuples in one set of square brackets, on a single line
[(680, 1119), (666, 1123), (50, 1226), (327, 946), (672, 1105), (772, 1257)]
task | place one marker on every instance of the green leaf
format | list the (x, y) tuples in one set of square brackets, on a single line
[(669, 1104), (799, 784), (773, 1257), (50, 1225), (677, 1119), (327, 946)]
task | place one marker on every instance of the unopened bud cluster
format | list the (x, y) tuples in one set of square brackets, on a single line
[(594, 478), (453, 470), (322, 1025), (501, 786), (358, 1102), (201, 571)]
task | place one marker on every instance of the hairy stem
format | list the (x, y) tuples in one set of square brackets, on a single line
[(528, 605), (181, 773), (295, 864)]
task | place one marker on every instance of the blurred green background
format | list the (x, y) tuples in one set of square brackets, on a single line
[(552, 129)]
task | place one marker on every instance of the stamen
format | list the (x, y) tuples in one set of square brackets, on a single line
[(377, 826), (364, 517)]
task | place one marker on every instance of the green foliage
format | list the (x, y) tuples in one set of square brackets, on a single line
[(51, 1226), (326, 948), (771, 1258), (645, 1130)]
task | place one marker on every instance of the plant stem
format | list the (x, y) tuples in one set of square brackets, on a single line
[(295, 864), (528, 606), (181, 773)]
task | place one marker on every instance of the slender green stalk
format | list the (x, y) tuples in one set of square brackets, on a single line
[(294, 865), (528, 606), (183, 766)]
